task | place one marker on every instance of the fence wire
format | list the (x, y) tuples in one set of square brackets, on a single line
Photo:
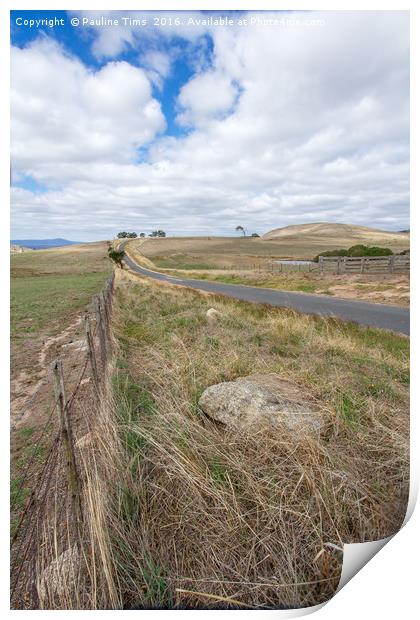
[(47, 531)]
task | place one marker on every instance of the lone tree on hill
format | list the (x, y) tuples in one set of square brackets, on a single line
[(242, 229)]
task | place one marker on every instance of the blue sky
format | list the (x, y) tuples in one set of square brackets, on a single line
[(78, 42), (196, 128)]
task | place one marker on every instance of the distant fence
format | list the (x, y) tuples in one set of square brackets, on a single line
[(364, 264), (48, 530)]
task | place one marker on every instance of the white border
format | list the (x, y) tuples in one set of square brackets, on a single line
[(387, 586)]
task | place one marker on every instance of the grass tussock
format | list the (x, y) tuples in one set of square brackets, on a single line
[(189, 514)]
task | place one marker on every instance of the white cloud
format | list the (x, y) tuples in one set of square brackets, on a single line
[(111, 41), (157, 61), (204, 97), (287, 125), (64, 114), (158, 65)]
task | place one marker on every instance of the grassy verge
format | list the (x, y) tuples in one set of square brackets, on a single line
[(304, 283), (198, 515)]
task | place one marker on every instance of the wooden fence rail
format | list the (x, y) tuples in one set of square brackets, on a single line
[(364, 264)]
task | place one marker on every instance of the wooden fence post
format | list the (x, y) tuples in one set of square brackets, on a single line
[(101, 329), (91, 352), (67, 439), (106, 314), (391, 264)]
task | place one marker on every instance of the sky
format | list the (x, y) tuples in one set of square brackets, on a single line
[(190, 123)]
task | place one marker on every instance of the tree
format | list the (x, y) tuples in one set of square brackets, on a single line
[(255, 235), (126, 235), (242, 229), (158, 233), (142, 235), (116, 256)]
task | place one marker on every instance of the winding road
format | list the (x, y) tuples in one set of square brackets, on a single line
[(392, 318)]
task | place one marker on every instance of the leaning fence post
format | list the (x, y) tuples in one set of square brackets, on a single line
[(66, 436), (91, 352)]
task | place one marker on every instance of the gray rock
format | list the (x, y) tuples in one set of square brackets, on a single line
[(261, 401), (212, 315)]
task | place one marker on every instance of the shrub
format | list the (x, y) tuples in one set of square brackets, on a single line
[(356, 250)]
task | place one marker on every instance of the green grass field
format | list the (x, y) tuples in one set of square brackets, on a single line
[(47, 286)]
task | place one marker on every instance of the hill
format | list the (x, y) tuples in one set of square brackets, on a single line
[(338, 236), (296, 242), (42, 244)]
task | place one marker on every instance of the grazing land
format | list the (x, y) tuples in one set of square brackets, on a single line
[(205, 263), (208, 516), (296, 242), (49, 291), (338, 236), (49, 286)]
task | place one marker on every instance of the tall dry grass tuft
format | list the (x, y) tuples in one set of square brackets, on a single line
[(185, 513)]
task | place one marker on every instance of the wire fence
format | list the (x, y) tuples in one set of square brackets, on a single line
[(48, 531)]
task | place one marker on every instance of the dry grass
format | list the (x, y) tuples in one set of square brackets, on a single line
[(186, 513), (297, 242), (393, 289)]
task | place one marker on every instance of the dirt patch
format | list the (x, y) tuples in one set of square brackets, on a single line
[(31, 388), (393, 290)]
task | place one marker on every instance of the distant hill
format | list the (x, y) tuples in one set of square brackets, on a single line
[(42, 244), (340, 235)]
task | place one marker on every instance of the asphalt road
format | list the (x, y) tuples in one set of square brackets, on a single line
[(372, 315)]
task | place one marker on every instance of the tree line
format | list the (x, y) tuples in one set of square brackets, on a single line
[(162, 233), (142, 235)]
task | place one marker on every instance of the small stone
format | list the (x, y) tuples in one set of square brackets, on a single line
[(212, 315)]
